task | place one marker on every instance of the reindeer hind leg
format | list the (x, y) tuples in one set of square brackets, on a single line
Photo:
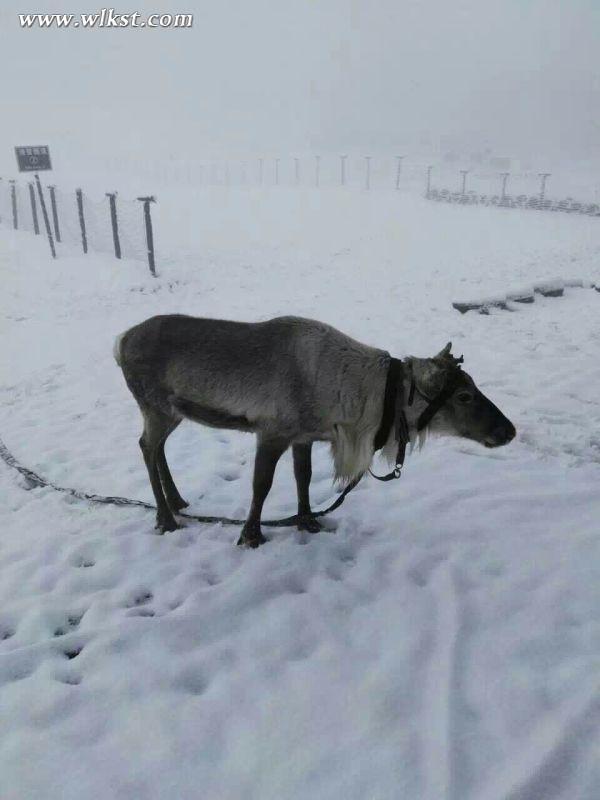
[(157, 426), (174, 500)]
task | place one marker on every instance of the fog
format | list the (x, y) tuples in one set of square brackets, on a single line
[(520, 77)]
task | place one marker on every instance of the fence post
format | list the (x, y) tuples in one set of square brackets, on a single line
[(149, 236), (13, 198), (428, 189), (543, 176), (36, 227), (464, 173), (297, 170), (368, 175), (52, 190), (45, 215), (112, 199), (398, 170), (504, 176), (343, 170), (261, 164), (277, 171), (317, 170), (79, 195)]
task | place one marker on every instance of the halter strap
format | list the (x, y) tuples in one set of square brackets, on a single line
[(393, 409)]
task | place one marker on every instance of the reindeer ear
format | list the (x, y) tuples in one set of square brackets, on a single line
[(443, 354)]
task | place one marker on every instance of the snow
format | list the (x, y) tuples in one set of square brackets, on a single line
[(441, 639)]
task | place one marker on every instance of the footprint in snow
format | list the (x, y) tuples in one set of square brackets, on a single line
[(72, 652), (71, 624), (229, 476), (139, 598)]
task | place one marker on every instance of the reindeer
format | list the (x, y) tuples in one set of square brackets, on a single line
[(292, 381)]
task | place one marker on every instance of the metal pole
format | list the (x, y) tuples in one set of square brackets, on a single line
[(428, 189), (112, 200), (52, 190), (368, 175), (13, 197), (79, 195), (464, 173), (149, 236), (398, 171), (45, 215), (277, 160), (317, 170), (36, 227), (343, 170), (543, 176), (261, 163), (297, 170), (504, 181)]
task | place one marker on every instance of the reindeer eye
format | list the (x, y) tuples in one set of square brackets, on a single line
[(464, 397)]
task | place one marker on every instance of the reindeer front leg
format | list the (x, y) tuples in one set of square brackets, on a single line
[(268, 453), (303, 473)]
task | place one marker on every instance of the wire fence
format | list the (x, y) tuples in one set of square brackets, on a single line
[(104, 224), (122, 227)]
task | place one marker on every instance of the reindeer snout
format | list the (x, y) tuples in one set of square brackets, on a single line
[(502, 434)]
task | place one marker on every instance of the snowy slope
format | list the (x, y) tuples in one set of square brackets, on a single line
[(440, 640)]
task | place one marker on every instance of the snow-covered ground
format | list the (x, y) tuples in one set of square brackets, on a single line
[(440, 640)]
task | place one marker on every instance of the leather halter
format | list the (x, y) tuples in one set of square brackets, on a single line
[(393, 409)]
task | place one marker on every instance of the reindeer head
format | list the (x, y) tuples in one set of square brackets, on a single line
[(465, 411)]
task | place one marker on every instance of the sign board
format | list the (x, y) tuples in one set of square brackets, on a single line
[(33, 159)]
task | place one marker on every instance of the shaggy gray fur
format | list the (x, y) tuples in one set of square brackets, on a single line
[(292, 381)]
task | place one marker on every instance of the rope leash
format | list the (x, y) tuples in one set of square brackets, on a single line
[(36, 481)]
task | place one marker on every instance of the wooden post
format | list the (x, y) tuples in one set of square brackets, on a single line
[(261, 164), (543, 176), (13, 198), (297, 170), (368, 175), (79, 195), (112, 200), (277, 171), (45, 215), (428, 189), (398, 170), (504, 176), (149, 236), (52, 190), (464, 173), (34, 216)]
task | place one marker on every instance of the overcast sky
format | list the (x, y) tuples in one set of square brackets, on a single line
[(281, 75)]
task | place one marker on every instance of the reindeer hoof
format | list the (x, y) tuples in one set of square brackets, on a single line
[(251, 536), (308, 522), (166, 524)]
